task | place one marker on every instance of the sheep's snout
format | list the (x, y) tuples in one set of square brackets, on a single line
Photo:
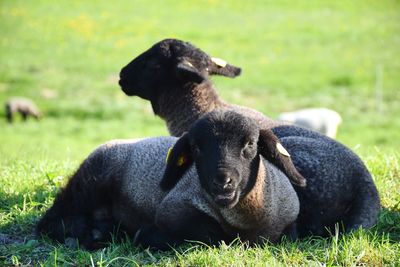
[(224, 180), (223, 188), (224, 185), (123, 82)]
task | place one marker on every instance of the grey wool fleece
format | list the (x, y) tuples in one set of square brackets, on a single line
[(118, 186)]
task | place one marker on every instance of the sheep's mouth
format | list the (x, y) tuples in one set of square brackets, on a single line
[(124, 87), (226, 199)]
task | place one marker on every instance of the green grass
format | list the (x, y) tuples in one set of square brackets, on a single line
[(66, 56)]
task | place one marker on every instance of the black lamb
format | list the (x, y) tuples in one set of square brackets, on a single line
[(340, 191), (175, 77), (117, 187)]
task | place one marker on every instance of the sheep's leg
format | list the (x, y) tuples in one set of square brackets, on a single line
[(103, 225), (290, 232), (196, 226), (24, 116), (9, 117), (89, 231), (59, 226), (172, 230), (152, 237), (79, 214), (68, 217), (9, 114), (63, 220)]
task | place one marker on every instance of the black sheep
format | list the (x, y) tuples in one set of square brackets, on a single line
[(339, 191), (175, 77), (181, 100), (117, 187)]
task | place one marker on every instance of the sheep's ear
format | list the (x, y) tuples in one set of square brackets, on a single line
[(179, 160), (221, 67), (188, 73), (270, 148)]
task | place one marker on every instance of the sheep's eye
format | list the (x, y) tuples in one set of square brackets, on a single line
[(250, 143), (248, 147)]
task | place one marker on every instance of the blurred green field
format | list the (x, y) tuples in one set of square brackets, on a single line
[(66, 56)]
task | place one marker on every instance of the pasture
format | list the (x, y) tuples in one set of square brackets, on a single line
[(66, 56)]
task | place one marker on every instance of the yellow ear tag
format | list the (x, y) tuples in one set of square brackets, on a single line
[(181, 160), (168, 154), (282, 150), (189, 64), (219, 62)]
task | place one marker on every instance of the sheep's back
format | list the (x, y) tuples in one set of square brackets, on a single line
[(142, 164), (21, 104), (334, 176), (264, 121)]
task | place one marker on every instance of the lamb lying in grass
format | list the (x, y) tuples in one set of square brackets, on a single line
[(242, 187), (117, 186), (339, 193), (182, 97)]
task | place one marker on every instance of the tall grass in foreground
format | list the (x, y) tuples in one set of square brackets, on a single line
[(29, 189)]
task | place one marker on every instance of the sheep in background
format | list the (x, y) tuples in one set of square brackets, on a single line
[(225, 149), (323, 120), (175, 77), (24, 106), (117, 186)]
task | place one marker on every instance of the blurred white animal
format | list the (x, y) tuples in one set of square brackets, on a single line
[(323, 120), (24, 106)]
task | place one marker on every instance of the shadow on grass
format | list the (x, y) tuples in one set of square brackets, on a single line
[(20, 211)]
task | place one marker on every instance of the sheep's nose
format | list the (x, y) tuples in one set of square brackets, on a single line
[(121, 78), (123, 73), (222, 181)]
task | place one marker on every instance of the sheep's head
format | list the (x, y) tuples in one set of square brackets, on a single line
[(225, 147), (170, 62)]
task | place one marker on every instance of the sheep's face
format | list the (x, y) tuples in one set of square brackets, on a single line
[(170, 64), (143, 75), (224, 149)]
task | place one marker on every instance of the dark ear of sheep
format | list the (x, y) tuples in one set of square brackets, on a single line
[(220, 67), (179, 160), (270, 148), (188, 73)]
